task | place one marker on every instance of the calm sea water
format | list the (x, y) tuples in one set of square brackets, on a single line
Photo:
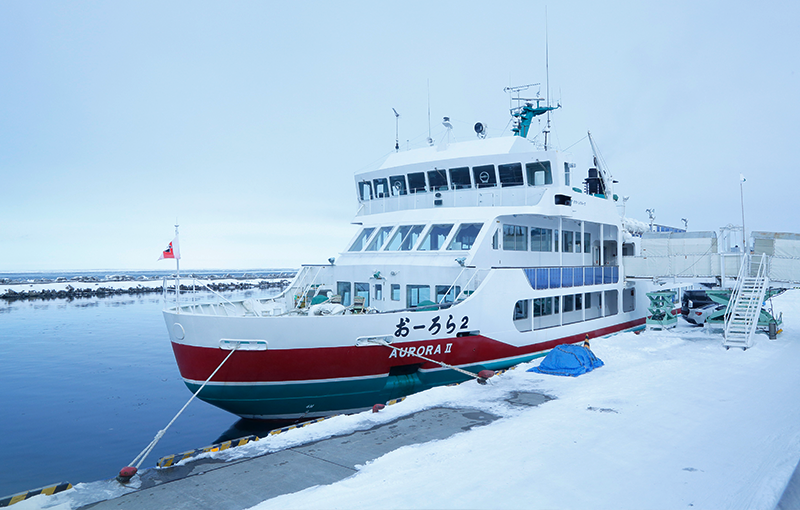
[(86, 384)]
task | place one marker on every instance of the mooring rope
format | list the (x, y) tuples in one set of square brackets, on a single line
[(481, 380), (140, 458)]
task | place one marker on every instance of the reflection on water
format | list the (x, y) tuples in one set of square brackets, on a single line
[(86, 387), (244, 427)]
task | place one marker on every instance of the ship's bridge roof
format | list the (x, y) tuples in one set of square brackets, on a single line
[(456, 150)]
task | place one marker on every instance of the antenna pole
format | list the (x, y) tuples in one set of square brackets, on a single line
[(430, 140), (547, 73), (396, 131)]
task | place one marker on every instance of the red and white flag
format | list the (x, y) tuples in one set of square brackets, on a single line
[(173, 251)]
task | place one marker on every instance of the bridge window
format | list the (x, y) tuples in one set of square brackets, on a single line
[(361, 240), (436, 237), (404, 238), (539, 173), (365, 190), (379, 239), (416, 294), (398, 184), (378, 292), (566, 174), (416, 182), (541, 239), (465, 236), (459, 178), (381, 187), (485, 176), (437, 180), (510, 175), (515, 238), (395, 292)]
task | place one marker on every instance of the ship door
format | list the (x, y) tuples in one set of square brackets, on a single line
[(596, 255)]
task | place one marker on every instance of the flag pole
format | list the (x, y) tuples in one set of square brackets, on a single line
[(178, 272)]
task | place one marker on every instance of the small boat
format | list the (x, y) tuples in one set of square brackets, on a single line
[(471, 256)]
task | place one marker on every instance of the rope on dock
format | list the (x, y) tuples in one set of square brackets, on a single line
[(480, 377), (129, 471)]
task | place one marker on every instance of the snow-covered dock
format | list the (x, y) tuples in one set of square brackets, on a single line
[(673, 420)]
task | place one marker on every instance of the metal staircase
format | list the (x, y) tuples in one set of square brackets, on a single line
[(744, 307)]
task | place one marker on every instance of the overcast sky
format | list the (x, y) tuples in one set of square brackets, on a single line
[(245, 121)]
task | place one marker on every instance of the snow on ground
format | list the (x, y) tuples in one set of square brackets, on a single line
[(673, 420)]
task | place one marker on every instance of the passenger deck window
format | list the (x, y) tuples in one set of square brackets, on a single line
[(395, 292), (539, 173), (404, 238), (416, 182), (465, 236), (515, 238), (343, 289), (379, 239), (436, 237), (541, 239), (437, 179), (510, 175), (398, 184), (567, 245), (365, 190), (447, 293), (459, 178), (362, 290), (381, 187), (416, 294), (361, 240), (485, 176)]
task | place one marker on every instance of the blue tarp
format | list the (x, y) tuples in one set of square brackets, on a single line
[(571, 360)]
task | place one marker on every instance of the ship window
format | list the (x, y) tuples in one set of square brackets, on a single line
[(447, 293), (365, 190), (555, 240), (515, 238), (521, 310), (381, 187), (416, 182), (566, 174), (542, 307), (496, 240), (362, 290), (459, 178), (378, 292), (398, 184), (436, 237), (569, 303), (539, 173), (416, 294), (510, 175), (567, 246), (541, 239), (485, 176), (404, 238), (577, 242), (465, 236), (437, 180), (379, 239), (343, 289), (361, 240), (395, 292), (578, 301), (587, 242)]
